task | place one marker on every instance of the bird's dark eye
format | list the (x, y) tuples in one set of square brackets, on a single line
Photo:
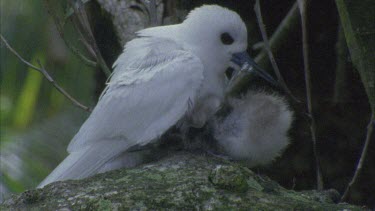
[(226, 39)]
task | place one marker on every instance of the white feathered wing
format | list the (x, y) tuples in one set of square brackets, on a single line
[(154, 83)]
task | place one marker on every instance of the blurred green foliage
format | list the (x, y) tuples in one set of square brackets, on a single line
[(26, 102), (27, 98)]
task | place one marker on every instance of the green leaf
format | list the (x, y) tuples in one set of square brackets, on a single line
[(358, 21), (27, 99)]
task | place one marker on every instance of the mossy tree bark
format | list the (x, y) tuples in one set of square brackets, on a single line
[(183, 181)]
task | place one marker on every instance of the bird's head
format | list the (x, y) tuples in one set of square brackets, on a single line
[(219, 34), (216, 31)]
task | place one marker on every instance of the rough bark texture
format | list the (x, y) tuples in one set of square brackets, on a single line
[(130, 16), (182, 181)]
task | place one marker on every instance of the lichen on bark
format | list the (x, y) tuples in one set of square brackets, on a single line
[(181, 181)]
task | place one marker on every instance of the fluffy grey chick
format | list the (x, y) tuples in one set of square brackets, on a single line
[(256, 129)]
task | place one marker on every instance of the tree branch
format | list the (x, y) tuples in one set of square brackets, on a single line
[(276, 40), (152, 11), (60, 30), (46, 75), (269, 51), (84, 24), (340, 92), (302, 5), (281, 33), (370, 128)]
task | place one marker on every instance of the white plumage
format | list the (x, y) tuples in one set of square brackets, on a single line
[(167, 74), (256, 129)]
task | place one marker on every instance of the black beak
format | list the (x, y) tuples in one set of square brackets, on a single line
[(247, 64)]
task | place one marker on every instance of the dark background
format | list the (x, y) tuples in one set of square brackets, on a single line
[(341, 124)]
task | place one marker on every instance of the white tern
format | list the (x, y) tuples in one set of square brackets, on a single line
[(167, 75), (256, 128)]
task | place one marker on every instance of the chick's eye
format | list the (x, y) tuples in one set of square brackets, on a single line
[(226, 39)]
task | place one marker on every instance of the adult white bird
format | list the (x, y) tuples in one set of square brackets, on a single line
[(168, 74)]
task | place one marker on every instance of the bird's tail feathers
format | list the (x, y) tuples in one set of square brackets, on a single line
[(85, 162)]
